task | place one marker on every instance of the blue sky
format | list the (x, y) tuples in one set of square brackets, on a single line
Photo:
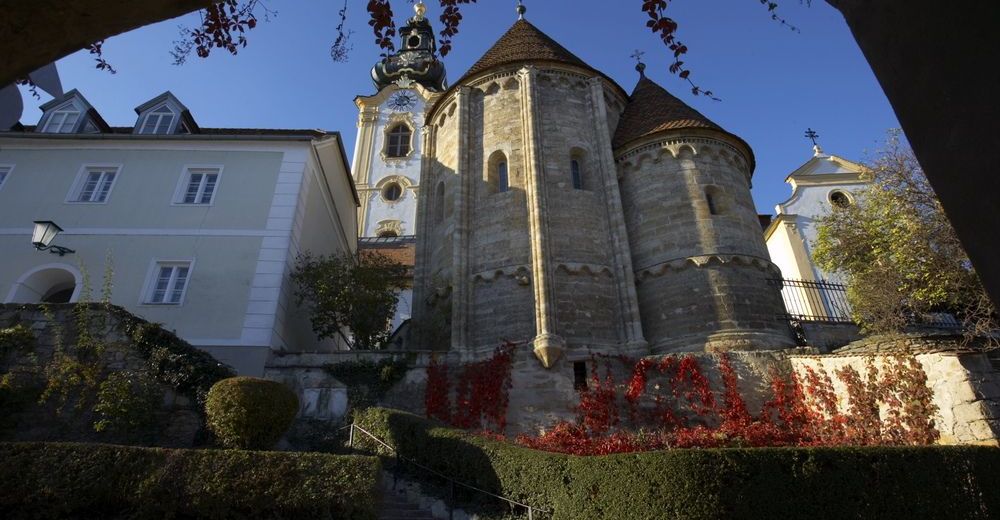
[(774, 83)]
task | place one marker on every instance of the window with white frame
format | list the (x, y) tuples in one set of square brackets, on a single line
[(62, 120), (169, 284), (198, 186), (4, 173), (158, 121), (95, 184)]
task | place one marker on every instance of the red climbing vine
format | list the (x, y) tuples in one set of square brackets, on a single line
[(481, 392), (891, 406)]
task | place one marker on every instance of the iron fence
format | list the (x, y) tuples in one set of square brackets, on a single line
[(814, 301)]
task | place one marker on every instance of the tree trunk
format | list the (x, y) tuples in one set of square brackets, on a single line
[(34, 33), (937, 63)]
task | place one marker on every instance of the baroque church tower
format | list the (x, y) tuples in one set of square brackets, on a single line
[(560, 211), (388, 150)]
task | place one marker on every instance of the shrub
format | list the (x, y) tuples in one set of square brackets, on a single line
[(250, 413), (66, 480), (127, 401), (17, 338), (807, 483)]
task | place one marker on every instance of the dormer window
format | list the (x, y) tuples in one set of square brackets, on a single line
[(158, 121), (62, 120)]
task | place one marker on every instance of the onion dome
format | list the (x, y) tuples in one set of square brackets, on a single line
[(416, 60)]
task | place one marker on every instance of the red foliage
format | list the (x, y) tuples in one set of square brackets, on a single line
[(482, 392), (893, 407), (436, 399)]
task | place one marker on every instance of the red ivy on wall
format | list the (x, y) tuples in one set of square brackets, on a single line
[(888, 407), (481, 393)]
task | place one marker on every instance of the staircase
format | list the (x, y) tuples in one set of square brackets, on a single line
[(396, 506)]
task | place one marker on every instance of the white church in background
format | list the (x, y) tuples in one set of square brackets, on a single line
[(824, 181)]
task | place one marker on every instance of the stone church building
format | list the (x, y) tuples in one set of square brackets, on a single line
[(553, 208)]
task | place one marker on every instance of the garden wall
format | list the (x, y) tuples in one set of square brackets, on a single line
[(57, 361)]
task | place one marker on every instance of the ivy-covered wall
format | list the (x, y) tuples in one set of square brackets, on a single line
[(94, 372)]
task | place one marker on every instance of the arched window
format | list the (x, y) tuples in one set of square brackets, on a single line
[(398, 144), (439, 203), (503, 182), (713, 208), (574, 167)]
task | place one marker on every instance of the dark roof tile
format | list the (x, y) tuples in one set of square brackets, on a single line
[(652, 109)]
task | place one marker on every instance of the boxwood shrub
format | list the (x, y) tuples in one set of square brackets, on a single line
[(789, 483), (67, 480), (250, 413)]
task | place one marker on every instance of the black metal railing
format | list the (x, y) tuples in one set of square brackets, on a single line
[(814, 301)]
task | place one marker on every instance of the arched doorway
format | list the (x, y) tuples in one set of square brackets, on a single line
[(50, 283)]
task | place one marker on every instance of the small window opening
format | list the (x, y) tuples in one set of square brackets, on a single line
[(413, 42), (388, 234), (399, 141), (439, 203), (712, 209), (577, 175), (840, 199), (503, 183), (580, 375), (392, 192)]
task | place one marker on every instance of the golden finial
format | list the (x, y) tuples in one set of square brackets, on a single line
[(420, 8)]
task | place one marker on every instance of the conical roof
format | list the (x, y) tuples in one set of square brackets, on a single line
[(651, 109), (524, 42)]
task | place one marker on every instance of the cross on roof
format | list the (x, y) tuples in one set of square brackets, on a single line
[(639, 65), (637, 55), (812, 135)]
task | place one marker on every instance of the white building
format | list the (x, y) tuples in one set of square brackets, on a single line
[(823, 181), (202, 225)]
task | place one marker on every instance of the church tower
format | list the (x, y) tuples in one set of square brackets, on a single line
[(388, 150), (521, 231)]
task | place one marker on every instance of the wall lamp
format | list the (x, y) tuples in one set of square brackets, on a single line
[(43, 234)]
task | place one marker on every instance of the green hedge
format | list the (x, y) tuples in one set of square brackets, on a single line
[(250, 413), (68, 480), (807, 483)]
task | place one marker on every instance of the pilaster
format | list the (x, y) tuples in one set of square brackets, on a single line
[(367, 121), (548, 346), (628, 301), (461, 294)]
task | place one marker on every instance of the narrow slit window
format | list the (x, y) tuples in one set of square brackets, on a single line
[(399, 141), (580, 375), (712, 209), (439, 203), (577, 174), (503, 183)]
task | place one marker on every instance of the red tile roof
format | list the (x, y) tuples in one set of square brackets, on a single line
[(524, 42)]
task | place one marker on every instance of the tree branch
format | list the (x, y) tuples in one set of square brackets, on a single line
[(37, 32)]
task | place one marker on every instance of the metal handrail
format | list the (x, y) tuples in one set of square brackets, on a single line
[(350, 443)]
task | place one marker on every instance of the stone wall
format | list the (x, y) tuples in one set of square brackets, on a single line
[(178, 422)]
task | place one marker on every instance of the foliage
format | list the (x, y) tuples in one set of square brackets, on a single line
[(892, 406), (223, 25), (357, 294), (16, 339), (63, 480), (808, 483), (249, 413), (481, 394), (367, 381), (127, 402), (901, 257)]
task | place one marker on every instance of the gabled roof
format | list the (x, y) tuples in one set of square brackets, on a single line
[(651, 109), (826, 164), (186, 116), (524, 42), (89, 111)]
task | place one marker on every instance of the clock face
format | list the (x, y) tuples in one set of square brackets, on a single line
[(402, 101)]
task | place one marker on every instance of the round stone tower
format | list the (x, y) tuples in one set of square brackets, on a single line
[(521, 225), (702, 269)]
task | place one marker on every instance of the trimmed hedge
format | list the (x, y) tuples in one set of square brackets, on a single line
[(250, 413), (69, 480), (788, 483)]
